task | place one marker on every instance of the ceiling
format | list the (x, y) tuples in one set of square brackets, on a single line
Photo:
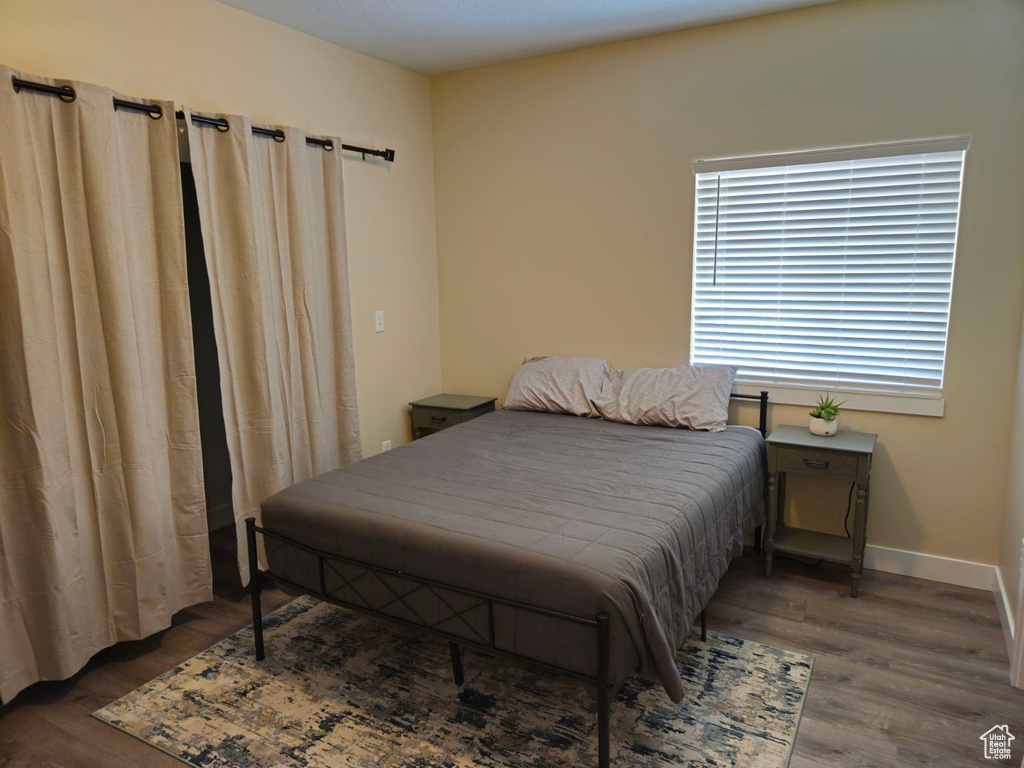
[(436, 36)]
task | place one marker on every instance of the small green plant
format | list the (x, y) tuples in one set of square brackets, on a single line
[(827, 408)]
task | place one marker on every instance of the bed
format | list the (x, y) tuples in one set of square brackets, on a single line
[(582, 546)]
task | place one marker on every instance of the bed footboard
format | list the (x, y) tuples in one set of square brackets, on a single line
[(482, 641)]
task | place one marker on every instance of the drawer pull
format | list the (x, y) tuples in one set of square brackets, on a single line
[(438, 419), (816, 464)]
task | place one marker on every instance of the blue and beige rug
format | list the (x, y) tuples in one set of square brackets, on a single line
[(339, 689)]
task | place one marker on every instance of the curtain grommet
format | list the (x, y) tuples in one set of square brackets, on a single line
[(65, 93)]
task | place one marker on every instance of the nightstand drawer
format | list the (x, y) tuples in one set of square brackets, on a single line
[(435, 418), (814, 462)]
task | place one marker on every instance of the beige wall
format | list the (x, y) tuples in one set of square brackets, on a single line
[(565, 214), (565, 196), (1013, 526), (213, 57)]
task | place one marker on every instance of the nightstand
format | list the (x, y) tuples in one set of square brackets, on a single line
[(843, 456), (442, 411)]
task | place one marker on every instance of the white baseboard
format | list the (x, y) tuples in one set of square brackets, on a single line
[(948, 570), (964, 573), (1006, 617)]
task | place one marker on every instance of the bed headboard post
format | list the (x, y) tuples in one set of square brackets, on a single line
[(762, 399), (763, 418)]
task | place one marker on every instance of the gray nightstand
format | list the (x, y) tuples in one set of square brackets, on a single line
[(442, 411), (844, 456)]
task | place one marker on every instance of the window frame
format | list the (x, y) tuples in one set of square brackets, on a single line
[(796, 393)]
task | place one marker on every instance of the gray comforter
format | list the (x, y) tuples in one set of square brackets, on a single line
[(571, 514)]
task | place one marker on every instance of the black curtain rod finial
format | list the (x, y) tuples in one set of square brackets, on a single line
[(387, 155)]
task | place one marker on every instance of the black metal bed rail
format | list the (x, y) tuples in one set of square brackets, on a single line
[(600, 623), (328, 556)]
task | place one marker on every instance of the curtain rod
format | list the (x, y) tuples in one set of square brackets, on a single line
[(67, 94), (278, 135)]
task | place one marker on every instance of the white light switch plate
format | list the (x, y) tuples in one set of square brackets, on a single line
[(378, 321)]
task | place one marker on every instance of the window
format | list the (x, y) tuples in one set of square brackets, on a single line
[(828, 269)]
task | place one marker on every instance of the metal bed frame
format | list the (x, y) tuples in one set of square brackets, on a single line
[(480, 641)]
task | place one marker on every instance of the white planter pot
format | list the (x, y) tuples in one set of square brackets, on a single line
[(824, 428)]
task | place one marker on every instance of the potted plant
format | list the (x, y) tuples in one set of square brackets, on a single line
[(824, 418)]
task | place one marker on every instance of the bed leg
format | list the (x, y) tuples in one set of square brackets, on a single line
[(603, 693), (456, 662), (704, 625), (254, 586), (758, 535)]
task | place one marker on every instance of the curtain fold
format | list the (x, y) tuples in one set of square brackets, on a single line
[(102, 515), (273, 221)]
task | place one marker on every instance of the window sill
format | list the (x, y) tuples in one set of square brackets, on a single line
[(854, 401)]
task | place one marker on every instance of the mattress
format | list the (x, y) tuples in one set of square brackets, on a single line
[(569, 514)]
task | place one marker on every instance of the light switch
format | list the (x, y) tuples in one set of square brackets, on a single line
[(378, 321)]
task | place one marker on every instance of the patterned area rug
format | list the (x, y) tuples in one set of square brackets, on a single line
[(339, 689)]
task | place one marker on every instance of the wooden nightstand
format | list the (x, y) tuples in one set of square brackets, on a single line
[(844, 456), (442, 411)]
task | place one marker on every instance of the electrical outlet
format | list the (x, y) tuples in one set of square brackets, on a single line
[(386, 445), (378, 321)]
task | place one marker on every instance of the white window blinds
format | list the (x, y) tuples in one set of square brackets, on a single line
[(831, 270)]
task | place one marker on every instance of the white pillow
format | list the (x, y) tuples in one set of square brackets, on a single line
[(557, 385), (695, 397)]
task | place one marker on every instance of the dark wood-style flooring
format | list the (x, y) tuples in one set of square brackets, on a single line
[(909, 674)]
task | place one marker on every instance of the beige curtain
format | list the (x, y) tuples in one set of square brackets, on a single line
[(273, 220), (102, 518)]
